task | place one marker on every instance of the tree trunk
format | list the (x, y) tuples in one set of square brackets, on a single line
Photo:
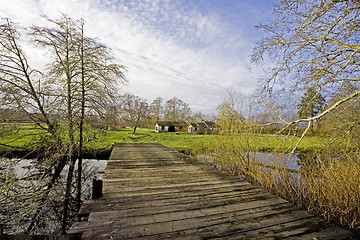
[(70, 119), (56, 175), (81, 124), (67, 195)]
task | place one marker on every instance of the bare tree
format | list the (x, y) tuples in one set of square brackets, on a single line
[(133, 109), (231, 111), (156, 110), (20, 84), (80, 79), (22, 88), (61, 41), (313, 43), (343, 121), (99, 82), (85, 76), (176, 110)]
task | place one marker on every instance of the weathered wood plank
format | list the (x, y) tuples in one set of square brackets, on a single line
[(153, 192)]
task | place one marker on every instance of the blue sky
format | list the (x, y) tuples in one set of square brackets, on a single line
[(195, 50)]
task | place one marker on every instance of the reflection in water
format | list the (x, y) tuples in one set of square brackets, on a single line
[(291, 162), (21, 181), (22, 167), (287, 161)]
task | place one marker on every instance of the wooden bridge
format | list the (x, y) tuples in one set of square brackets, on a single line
[(153, 192)]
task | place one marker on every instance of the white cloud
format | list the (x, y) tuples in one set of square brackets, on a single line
[(170, 48)]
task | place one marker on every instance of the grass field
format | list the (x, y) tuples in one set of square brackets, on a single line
[(179, 141), (190, 143), (28, 138)]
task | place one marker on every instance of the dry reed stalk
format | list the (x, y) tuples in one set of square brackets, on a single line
[(325, 185)]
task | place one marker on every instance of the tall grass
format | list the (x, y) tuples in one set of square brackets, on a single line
[(333, 189), (326, 183)]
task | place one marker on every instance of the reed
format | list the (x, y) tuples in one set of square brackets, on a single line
[(327, 182)]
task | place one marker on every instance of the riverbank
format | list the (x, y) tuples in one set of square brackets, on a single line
[(99, 154), (98, 144)]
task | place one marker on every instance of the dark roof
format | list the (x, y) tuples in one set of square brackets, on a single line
[(205, 124), (164, 123), (210, 124)]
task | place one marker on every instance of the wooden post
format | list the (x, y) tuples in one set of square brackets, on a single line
[(97, 185)]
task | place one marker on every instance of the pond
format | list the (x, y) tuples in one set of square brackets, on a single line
[(22, 168), (292, 162), (21, 178)]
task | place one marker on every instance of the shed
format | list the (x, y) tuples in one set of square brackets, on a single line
[(163, 126), (202, 127)]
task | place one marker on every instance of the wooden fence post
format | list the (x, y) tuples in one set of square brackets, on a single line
[(97, 185)]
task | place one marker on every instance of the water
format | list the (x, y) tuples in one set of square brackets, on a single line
[(291, 162), (288, 162), (25, 169), (19, 178), (22, 167)]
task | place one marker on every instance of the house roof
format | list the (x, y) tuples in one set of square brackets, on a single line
[(210, 124), (205, 124), (164, 123)]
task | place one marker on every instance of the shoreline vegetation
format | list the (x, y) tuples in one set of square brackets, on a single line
[(326, 182), (26, 143)]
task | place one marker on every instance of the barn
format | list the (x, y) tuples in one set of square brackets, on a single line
[(163, 126), (202, 127)]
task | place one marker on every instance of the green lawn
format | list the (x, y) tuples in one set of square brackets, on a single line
[(188, 143), (22, 138), (102, 141), (179, 141)]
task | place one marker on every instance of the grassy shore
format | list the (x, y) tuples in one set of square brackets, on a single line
[(190, 143), (26, 139)]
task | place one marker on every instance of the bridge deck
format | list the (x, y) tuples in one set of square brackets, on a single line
[(153, 192)]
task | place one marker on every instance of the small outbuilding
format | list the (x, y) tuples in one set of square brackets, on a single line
[(202, 127), (163, 126)]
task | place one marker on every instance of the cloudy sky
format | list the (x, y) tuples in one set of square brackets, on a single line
[(195, 50)]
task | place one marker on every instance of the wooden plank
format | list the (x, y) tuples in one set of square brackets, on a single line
[(153, 192), (140, 208)]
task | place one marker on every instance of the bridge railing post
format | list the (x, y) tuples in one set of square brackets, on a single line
[(97, 185)]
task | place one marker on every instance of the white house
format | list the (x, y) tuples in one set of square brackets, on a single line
[(169, 126), (202, 127)]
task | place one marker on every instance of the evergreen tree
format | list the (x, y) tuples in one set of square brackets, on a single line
[(312, 103)]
